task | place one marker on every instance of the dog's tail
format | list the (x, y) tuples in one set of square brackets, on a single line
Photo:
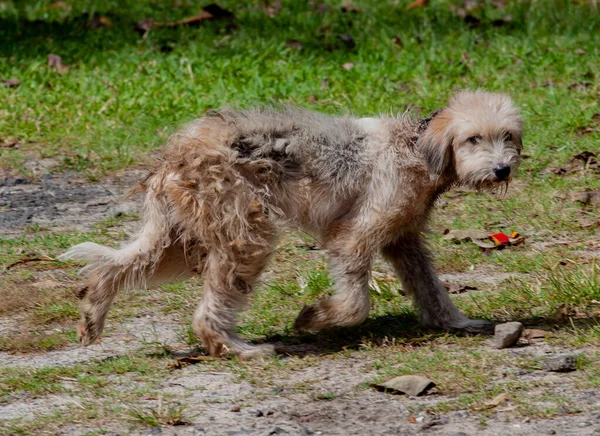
[(128, 266), (108, 270)]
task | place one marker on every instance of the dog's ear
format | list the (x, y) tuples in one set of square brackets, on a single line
[(435, 144)]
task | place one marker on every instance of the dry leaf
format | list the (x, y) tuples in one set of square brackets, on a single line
[(412, 419), (348, 41), (9, 143), (464, 235), (274, 8), (99, 21), (294, 43), (496, 401), (454, 288), (209, 12), (55, 61), (312, 99), (185, 361), (587, 198), (416, 4), (348, 66), (348, 6), (11, 83), (530, 334), (413, 385)]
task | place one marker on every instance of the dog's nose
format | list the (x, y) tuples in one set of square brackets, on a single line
[(502, 171)]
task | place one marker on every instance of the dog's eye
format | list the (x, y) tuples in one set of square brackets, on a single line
[(474, 139), (509, 137)]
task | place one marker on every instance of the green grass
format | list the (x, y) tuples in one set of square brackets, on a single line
[(123, 94)]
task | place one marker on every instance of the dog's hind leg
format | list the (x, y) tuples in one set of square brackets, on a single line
[(412, 263), (229, 275), (226, 288)]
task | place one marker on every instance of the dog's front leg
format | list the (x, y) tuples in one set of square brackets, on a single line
[(411, 260)]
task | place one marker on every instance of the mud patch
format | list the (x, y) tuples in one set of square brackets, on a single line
[(64, 201)]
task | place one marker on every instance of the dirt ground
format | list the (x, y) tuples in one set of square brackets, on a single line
[(219, 402)]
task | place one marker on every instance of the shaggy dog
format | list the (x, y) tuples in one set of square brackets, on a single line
[(229, 181)]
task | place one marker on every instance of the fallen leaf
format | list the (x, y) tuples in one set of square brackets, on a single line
[(397, 41), (55, 61), (11, 83), (587, 198), (586, 156), (348, 41), (188, 360), (416, 4), (294, 43), (496, 401), (453, 288), (209, 12), (348, 66), (412, 385), (530, 334), (464, 235), (312, 99), (348, 6), (9, 143), (273, 8), (579, 85), (99, 21)]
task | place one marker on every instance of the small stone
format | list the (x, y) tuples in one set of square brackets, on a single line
[(508, 334), (236, 408), (564, 363)]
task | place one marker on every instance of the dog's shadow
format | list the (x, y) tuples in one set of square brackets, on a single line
[(382, 330)]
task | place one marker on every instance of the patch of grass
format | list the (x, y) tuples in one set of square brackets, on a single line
[(572, 291), (41, 381), (33, 341), (170, 414)]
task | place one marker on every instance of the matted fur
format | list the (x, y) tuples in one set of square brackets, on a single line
[(228, 182)]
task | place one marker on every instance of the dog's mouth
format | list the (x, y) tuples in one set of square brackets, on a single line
[(494, 185)]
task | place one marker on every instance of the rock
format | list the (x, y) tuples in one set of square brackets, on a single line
[(506, 335), (564, 363), (412, 385)]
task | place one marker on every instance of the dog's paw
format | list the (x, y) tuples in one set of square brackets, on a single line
[(307, 319), (85, 334), (474, 326)]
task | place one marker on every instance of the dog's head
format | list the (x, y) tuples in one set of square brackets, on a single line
[(474, 141)]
